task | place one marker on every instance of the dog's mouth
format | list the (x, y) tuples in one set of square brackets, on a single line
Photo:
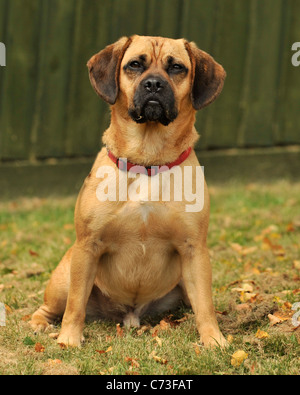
[(156, 106), (153, 111)]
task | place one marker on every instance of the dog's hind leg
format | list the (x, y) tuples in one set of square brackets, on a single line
[(55, 297)]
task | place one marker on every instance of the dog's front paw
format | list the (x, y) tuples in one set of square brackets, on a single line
[(67, 339), (39, 323), (213, 338)]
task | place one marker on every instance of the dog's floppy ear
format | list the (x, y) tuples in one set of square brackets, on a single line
[(207, 77), (104, 69)]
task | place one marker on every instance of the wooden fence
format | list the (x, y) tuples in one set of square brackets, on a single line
[(49, 110)]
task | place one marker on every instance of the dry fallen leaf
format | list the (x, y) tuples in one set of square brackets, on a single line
[(274, 320), (261, 334), (156, 358), (134, 362), (296, 264), (158, 340), (120, 331), (39, 347), (197, 348), (243, 250), (109, 349), (276, 248), (54, 361), (238, 358), (248, 297), (164, 325), (107, 371), (243, 307), (143, 329), (100, 351)]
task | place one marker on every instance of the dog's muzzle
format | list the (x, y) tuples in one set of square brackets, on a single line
[(154, 101)]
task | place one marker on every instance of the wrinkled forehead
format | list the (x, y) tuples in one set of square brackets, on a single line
[(156, 49)]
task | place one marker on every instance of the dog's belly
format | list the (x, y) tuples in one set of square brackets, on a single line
[(141, 263)]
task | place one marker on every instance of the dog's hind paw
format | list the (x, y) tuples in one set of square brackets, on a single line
[(131, 320)]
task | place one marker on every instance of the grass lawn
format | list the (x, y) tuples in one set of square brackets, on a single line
[(255, 253)]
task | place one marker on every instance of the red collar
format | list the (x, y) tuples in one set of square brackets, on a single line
[(149, 170)]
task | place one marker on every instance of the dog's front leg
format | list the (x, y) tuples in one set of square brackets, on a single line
[(83, 271), (197, 278)]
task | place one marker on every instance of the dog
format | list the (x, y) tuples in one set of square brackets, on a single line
[(134, 256)]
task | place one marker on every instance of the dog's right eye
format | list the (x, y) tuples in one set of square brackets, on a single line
[(135, 65)]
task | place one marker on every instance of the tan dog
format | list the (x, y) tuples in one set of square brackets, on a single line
[(139, 255)]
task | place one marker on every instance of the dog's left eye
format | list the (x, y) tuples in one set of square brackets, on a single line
[(176, 68)]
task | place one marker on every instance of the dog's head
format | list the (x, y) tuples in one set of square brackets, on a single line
[(155, 78)]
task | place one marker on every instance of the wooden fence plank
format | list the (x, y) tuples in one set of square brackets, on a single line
[(288, 107), (230, 34), (163, 18), (3, 37), (19, 82), (54, 64), (198, 22), (127, 17), (260, 83), (86, 112)]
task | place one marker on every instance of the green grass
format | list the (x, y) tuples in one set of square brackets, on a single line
[(254, 242)]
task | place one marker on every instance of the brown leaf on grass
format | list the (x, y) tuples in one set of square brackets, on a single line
[(158, 340), (243, 250), (261, 334), (156, 358), (8, 309), (162, 326), (290, 227), (274, 319), (33, 253), (143, 329), (54, 361), (107, 371), (276, 248), (296, 264), (39, 347), (100, 351), (269, 229), (238, 358), (243, 307), (63, 346), (120, 331), (134, 363)]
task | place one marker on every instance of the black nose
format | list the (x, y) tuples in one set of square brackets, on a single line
[(153, 84)]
